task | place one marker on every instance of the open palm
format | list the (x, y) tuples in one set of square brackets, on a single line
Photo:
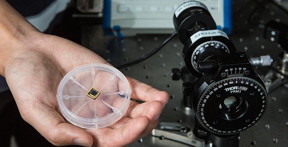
[(33, 77)]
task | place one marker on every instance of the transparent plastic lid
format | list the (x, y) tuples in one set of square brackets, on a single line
[(94, 96)]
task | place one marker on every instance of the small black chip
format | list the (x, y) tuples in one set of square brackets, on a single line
[(93, 93)]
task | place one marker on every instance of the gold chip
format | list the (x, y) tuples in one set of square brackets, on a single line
[(93, 93)]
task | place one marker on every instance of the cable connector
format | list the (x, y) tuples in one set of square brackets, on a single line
[(265, 60)]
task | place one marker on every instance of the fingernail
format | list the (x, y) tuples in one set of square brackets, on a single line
[(79, 141)]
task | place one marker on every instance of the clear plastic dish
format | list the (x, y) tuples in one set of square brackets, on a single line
[(93, 96)]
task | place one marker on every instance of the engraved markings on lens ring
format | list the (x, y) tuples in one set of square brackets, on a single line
[(211, 93), (204, 46), (237, 71)]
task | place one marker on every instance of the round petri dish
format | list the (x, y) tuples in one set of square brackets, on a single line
[(93, 96)]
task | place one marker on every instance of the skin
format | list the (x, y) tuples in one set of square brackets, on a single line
[(33, 64)]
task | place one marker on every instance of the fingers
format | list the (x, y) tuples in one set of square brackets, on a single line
[(133, 130), (144, 92), (151, 110), (67, 134), (52, 126), (123, 135)]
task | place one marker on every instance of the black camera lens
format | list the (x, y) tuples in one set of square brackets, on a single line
[(191, 17), (230, 105), (228, 95), (233, 107), (205, 49)]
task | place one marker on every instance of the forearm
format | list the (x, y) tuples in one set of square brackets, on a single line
[(15, 33)]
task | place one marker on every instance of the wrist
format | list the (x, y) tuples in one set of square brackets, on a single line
[(15, 45), (16, 35)]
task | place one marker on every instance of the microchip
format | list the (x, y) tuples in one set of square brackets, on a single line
[(93, 93)]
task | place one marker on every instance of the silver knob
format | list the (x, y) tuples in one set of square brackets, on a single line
[(265, 60)]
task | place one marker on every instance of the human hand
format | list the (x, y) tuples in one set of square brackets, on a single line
[(33, 76)]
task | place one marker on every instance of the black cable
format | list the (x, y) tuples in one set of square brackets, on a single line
[(151, 53)]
